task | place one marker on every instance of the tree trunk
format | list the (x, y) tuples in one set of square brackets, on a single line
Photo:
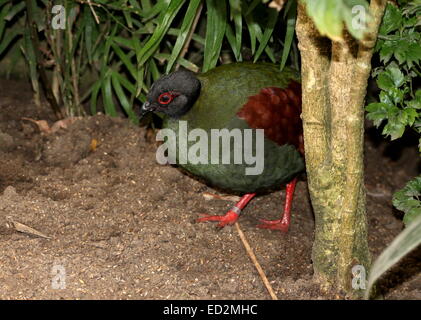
[(334, 81)]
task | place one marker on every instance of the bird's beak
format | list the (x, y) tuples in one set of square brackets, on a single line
[(146, 108)]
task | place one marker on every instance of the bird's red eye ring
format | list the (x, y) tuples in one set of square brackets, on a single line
[(166, 98)]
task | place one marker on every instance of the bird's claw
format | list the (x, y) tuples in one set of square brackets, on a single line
[(229, 218), (274, 225)]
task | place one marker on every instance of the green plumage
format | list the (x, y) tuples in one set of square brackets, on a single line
[(224, 91)]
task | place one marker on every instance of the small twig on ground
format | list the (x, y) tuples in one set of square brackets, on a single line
[(45, 128), (93, 11), (255, 262), (20, 227)]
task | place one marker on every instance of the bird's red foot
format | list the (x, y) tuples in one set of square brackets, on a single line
[(232, 215), (283, 223), (274, 225), (229, 218)]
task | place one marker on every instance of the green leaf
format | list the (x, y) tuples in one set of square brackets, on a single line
[(413, 55), (185, 63), (154, 70), (9, 37), (18, 7), (396, 75), (231, 40), (195, 37), (159, 7), (394, 128), (145, 4), (330, 16), (89, 28), (410, 115), (107, 95), (235, 12), (252, 6), (94, 96), (397, 95), (127, 43), (128, 17), (256, 34), (29, 53), (123, 99), (165, 21), (124, 82), (408, 200), (377, 112), (405, 242), (254, 31), (416, 102), (392, 20), (356, 15), (385, 98), (406, 52), (384, 81), (267, 34), (3, 14), (125, 59), (326, 14), (289, 34), (3, 2), (387, 50), (215, 31), (390, 80), (183, 33)]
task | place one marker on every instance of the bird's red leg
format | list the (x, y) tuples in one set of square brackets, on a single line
[(232, 215), (283, 223)]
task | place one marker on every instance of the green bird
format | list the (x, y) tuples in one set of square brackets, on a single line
[(237, 127)]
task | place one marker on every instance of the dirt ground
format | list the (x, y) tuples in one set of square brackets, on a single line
[(120, 226)]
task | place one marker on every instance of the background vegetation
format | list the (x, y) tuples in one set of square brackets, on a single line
[(399, 106), (110, 52), (397, 111)]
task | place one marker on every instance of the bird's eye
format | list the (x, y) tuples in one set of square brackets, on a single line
[(165, 98)]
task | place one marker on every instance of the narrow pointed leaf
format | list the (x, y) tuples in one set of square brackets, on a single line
[(405, 242), (183, 32)]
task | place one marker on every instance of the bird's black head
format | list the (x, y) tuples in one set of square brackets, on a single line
[(173, 94)]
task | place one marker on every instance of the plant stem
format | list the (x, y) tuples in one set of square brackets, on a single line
[(190, 35), (334, 82), (35, 43)]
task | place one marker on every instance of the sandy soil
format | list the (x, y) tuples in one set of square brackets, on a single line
[(120, 226)]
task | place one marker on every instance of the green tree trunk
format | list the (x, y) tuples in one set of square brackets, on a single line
[(334, 81)]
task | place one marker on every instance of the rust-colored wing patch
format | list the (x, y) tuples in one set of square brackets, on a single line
[(277, 111)]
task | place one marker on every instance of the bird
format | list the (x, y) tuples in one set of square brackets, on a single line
[(253, 99)]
